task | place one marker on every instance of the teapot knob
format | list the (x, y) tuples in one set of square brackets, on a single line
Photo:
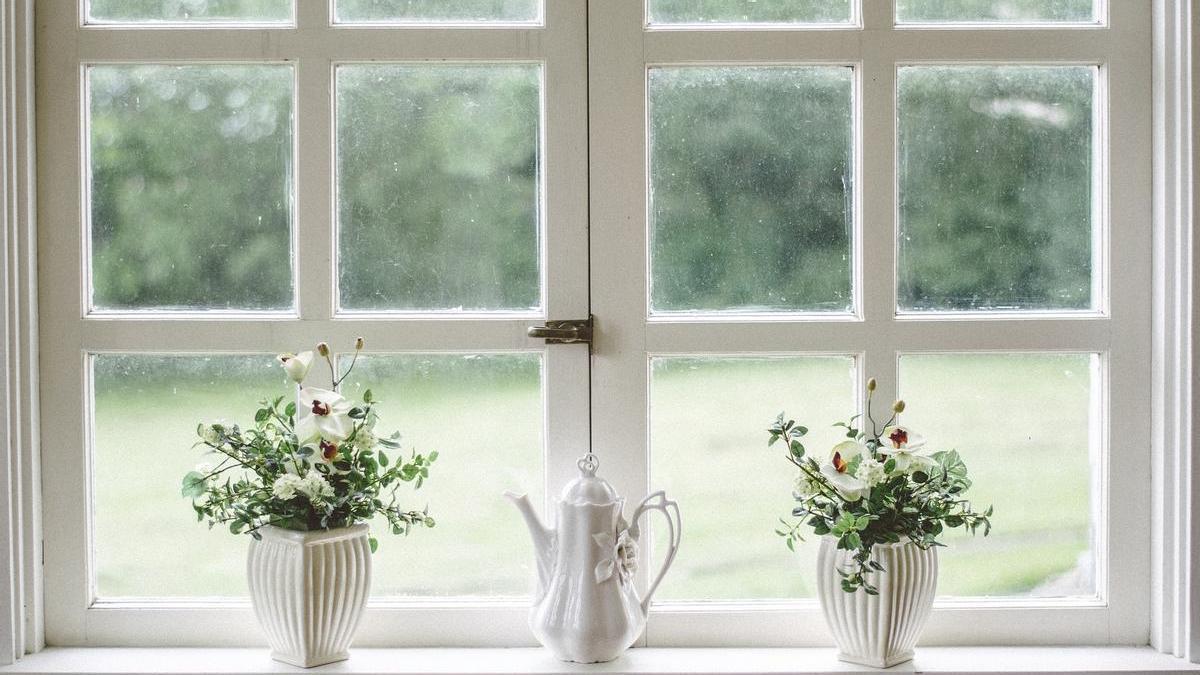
[(588, 464)]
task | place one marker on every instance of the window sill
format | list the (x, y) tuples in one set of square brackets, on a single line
[(503, 661)]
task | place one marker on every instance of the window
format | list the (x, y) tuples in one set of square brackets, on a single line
[(762, 203)]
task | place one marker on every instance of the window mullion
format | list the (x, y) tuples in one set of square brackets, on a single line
[(313, 236), (875, 194)]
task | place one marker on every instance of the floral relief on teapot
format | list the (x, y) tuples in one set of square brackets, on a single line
[(587, 607)]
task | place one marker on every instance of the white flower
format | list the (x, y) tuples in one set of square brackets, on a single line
[(315, 487), (366, 439), (323, 414), (804, 486), (906, 448), (208, 433), (296, 365), (836, 471), (852, 489), (285, 486), (870, 471)]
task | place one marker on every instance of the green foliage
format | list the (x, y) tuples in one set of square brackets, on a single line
[(266, 477), (915, 502)]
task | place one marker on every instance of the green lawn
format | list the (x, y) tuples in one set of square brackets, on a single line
[(1020, 422)]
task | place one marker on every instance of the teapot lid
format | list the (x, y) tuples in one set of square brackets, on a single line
[(589, 488)]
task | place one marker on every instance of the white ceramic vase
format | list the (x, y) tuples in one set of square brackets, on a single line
[(878, 630), (309, 590)]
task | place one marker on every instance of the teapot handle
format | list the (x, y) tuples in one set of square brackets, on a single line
[(659, 502)]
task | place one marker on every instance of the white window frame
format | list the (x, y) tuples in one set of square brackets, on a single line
[(623, 48), (1175, 544), (313, 45)]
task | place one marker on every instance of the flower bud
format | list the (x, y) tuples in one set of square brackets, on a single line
[(359, 343), (898, 406), (322, 349), (871, 384)]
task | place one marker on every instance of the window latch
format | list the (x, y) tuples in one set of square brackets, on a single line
[(566, 332)]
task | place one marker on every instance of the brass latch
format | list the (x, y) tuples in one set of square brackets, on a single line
[(566, 332)]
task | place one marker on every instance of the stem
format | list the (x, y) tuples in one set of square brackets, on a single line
[(817, 478), (349, 370), (333, 378)]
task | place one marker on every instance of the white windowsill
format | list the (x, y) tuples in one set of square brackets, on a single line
[(502, 661)]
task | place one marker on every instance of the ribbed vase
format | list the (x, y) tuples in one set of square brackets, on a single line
[(309, 590), (878, 630)]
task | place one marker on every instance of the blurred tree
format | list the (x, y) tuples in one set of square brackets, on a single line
[(439, 192)]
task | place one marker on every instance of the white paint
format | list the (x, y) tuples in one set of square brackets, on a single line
[(656, 661)]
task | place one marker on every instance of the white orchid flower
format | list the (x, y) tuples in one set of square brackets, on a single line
[(906, 448), (323, 415), (296, 365), (850, 487)]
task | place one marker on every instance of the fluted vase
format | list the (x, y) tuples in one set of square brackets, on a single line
[(309, 590), (878, 630)]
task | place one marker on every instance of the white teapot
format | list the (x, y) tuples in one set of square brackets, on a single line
[(586, 607)]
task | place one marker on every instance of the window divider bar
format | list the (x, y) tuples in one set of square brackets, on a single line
[(314, 234)]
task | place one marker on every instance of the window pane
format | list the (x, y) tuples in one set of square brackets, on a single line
[(749, 11), (146, 538), (438, 187), (996, 196), (189, 11), (995, 11), (191, 179), (750, 185), (146, 411), (438, 11), (483, 414), (1025, 424), (708, 448)]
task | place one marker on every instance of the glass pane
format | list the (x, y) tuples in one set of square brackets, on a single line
[(438, 11), (1025, 425), (191, 180), (750, 185), (483, 414), (995, 11), (146, 538), (748, 11), (708, 447), (146, 411), (189, 11), (438, 187), (996, 188)]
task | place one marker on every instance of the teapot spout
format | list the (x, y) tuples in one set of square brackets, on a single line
[(543, 537)]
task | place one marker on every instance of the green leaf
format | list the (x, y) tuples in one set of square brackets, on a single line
[(374, 544), (434, 455), (383, 459), (368, 397), (791, 544), (262, 415), (194, 484), (290, 409)]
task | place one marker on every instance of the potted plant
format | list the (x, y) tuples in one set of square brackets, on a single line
[(302, 482), (879, 501)]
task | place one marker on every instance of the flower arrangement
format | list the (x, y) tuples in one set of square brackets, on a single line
[(315, 463), (876, 488)]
